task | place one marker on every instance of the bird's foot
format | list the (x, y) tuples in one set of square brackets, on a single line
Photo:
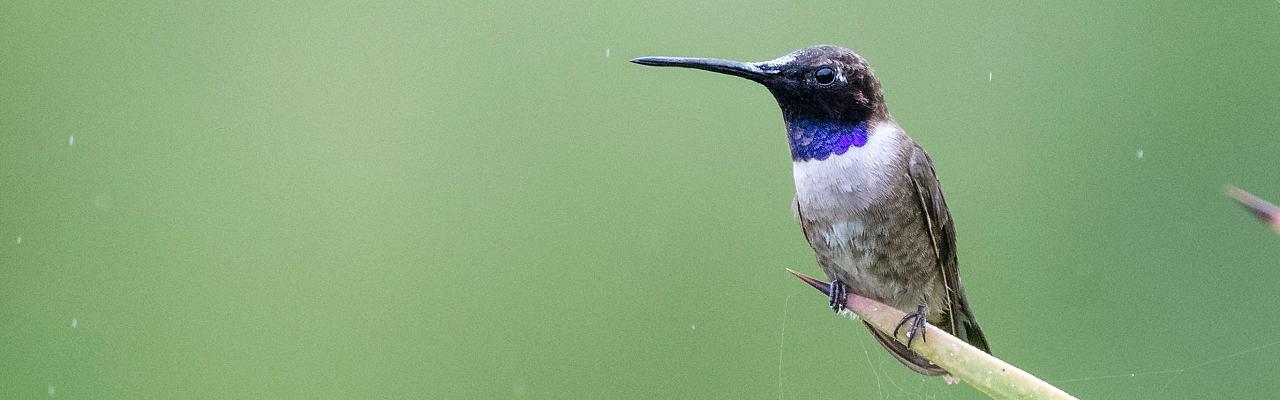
[(837, 296), (917, 319)]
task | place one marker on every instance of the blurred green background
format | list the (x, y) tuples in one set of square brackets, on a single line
[(485, 200)]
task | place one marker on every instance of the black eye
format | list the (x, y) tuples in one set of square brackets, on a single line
[(824, 76)]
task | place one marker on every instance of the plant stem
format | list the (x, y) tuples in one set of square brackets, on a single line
[(984, 372), (1266, 212)]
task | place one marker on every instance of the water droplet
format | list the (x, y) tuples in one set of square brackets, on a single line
[(607, 52), (71, 140), (694, 327), (52, 390), (1139, 154), (988, 76), (73, 323), (19, 239)]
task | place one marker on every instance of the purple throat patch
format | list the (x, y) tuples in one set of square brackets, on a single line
[(817, 140)]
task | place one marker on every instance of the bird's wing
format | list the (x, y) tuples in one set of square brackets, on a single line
[(943, 232)]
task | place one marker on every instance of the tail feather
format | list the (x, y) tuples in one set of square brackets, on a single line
[(905, 355), (965, 328)]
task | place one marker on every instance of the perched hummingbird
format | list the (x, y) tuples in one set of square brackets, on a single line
[(866, 195)]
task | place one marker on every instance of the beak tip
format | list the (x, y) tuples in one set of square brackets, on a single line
[(651, 61)]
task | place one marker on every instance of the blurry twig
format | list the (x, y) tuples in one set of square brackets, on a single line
[(1266, 212), (988, 374)]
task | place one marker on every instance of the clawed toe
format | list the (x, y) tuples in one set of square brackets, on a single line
[(917, 327), (838, 295)]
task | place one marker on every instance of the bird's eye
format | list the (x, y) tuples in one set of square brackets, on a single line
[(825, 76)]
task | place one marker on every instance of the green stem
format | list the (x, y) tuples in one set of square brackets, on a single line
[(988, 374)]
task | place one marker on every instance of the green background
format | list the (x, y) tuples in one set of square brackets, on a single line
[(485, 200)]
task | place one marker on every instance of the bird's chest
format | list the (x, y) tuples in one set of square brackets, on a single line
[(861, 223), (854, 187), (846, 206), (849, 230)]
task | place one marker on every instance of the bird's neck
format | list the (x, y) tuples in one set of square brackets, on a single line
[(813, 139), (858, 178)]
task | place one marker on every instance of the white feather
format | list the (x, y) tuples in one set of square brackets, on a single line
[(825, 185)]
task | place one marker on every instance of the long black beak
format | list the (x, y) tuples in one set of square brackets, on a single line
[(752, 71)]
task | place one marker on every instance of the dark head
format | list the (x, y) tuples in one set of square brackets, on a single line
[(828, 95)]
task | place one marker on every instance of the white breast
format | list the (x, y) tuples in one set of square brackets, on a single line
[(849, 182)]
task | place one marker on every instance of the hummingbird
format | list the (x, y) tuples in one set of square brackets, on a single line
[(867, 198)]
